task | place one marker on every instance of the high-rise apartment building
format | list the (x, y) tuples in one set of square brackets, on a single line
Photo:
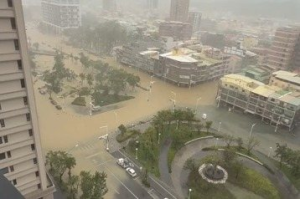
[(61, 14), (285, 48), (152, 4), (21, 158), (109, 5), (179, 10), (195, 20)]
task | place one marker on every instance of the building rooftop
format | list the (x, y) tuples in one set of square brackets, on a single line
[(262, 89), (244, 82), (286, 76), (204, 57)]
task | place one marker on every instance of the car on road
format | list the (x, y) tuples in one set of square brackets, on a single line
[(131, 172), (122, 162)]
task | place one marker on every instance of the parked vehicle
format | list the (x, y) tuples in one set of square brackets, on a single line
[(131, 172), (123, 163)]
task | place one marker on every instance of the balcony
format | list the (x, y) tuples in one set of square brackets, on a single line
[(13, 95), (17, 174), (11, 146), (16, 160), (11, 76), (24, 127), (6, 13), (10, 56), (9, 114), (8, 35)]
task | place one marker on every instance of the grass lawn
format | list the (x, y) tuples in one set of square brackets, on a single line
[(104, 100), (148, 150), (202, 189), (249, 179), (287, 171), (79, 101)]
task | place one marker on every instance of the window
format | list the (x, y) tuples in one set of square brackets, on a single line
[(28, 117), (20, 67), (33, 147), (34, 161), (13, 23), (14, 182), (30, 132), (2, 156), (11, 168), (22, 83), (1, 142), (8, 154), (39, 186), (17, 47), (5, 139), (25, 100), (2, 123), (9, 3), (0, 107), (37, 174)]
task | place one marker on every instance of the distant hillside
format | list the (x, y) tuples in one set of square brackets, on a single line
[(264, 8)]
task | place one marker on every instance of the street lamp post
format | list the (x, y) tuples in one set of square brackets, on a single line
[(136, 153), (217, 140), (175, 95), (190, 190), (116, 117), (251, 130), (219, 126), (158, 138), (270, 151), (197, 104), (276, 128), (105, 137), (150, 86)]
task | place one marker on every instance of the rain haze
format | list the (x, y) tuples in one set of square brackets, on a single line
[(141, 99)]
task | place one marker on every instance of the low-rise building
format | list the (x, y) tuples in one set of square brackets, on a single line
[(286, 80), (185, 66), (273, 104), (258, 73), (177, 30)]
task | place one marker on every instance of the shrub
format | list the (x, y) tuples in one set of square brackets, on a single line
[(84, 91), (79, 101), (128, 134)]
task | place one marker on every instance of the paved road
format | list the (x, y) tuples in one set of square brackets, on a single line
[(239, 125), (158, 188), (119, 183)]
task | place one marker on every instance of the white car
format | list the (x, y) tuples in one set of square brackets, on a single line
[(131, 172)]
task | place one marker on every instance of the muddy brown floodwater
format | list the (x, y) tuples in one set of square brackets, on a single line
[(62, 130)]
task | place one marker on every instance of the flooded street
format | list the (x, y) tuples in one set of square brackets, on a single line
[(63, 130)]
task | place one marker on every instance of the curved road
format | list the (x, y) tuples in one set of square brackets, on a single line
[(194, 150)]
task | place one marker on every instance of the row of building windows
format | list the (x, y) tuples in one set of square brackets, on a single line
[(8, 153), (2, 121), (25, 100)]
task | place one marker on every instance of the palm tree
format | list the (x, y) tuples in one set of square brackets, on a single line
[(90, 79), (70, 163), (208, 125), (82, 77)]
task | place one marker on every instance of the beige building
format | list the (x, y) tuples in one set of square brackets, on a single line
[(21, 157), (276, 106), (179, 10), (285, 48), (286, 80)]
